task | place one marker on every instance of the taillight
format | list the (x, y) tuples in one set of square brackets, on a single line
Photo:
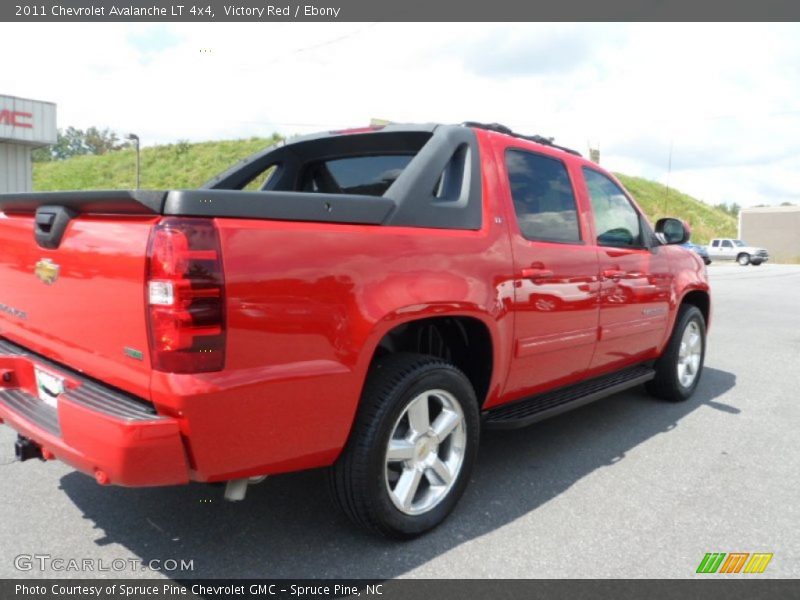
[(186, 296)]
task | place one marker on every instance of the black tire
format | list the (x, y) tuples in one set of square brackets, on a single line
[(707, 261), (743, 259), (666, 384), (755, 263), (358, 479)]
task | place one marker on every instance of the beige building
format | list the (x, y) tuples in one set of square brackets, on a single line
[(776, 228)]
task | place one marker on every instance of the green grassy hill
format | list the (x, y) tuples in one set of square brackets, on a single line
[(171, 166), (657, 201), (189, 165)]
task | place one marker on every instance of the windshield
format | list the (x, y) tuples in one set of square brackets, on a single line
[(739, 243)]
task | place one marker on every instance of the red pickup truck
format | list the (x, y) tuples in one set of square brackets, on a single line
[(364, 300)]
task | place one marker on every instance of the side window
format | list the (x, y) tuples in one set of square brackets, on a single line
[(616, 221), (715, 244), (727, 244), (543, 198)]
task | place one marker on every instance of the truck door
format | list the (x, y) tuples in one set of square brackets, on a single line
[(555, 273), (727, 250), (635, 277)]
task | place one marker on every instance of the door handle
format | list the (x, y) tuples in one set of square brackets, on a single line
[(613, 274), (533, 273)]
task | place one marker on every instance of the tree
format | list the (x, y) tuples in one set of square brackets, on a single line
[(70, 143), (42, 154), (731, 209), (76, 142), (101, 141)]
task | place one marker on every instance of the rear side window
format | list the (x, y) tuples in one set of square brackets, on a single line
[(727, 244), (715, 244), (543, 198), (368, 175), (616, 221)]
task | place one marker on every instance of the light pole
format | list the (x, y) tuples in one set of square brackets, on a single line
[(135, 138)]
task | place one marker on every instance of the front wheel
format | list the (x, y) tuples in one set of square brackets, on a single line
[(743, 259), (412, 447), (679, 367)]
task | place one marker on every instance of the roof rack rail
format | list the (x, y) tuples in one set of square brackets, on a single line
[(539, 139)]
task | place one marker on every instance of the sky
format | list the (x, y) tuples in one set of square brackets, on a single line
[(710, 109)]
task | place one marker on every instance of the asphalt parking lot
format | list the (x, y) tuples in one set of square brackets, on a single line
[(626, 487)]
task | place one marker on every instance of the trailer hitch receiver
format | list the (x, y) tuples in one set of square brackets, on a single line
[(26, 449)]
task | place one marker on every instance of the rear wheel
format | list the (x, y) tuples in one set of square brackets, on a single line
[(679, 367), (743, 259), (412, 447)]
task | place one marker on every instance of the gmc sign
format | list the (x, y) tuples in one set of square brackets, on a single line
[(16, 119)]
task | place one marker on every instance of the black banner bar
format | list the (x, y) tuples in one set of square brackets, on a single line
[(715, 587), (399, 10)]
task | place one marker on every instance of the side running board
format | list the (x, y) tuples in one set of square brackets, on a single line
[(536, 408)]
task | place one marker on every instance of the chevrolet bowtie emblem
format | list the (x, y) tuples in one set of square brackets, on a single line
[(47, 271)]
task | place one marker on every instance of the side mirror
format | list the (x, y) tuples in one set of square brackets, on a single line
[(672, 231)]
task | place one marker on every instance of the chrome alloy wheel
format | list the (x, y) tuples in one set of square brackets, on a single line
[(690, 354), (425, 452)]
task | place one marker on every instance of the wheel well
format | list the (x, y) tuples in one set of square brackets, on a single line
[(462, 341), (700, 300), (738, 256)]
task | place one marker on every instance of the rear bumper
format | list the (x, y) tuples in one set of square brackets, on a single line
[(98, 430)]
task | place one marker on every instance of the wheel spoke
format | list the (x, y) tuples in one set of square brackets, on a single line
[(407, 487), (441, 474), (426, 448), (400, 450), (445, 423), (695, 345), (418, 415)]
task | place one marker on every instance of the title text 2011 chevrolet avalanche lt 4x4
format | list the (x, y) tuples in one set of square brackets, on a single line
[(384, 295)]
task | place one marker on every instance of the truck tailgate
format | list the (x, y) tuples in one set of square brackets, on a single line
[(81, 303)]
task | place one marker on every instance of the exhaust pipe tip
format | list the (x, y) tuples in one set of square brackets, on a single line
[(236, 489)]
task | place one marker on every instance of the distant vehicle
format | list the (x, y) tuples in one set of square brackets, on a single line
[(731, 249), (700, 250)]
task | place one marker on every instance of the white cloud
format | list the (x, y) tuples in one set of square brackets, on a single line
[(725, 97)]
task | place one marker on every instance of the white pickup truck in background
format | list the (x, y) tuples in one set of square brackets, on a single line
[(731, 249)]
